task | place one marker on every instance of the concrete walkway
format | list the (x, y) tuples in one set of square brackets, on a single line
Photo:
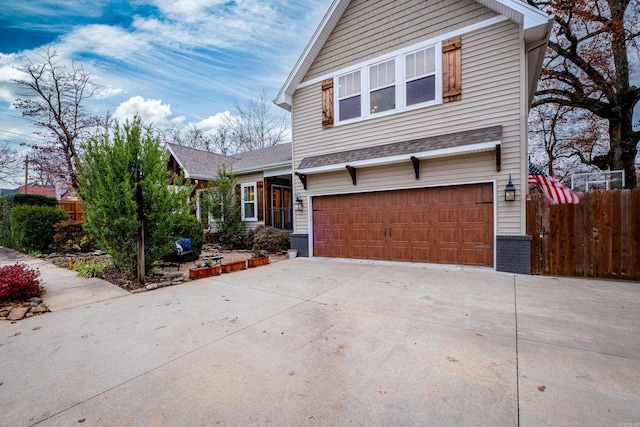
[(326, 342)]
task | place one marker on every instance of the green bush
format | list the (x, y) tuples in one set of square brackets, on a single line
[(270, 239), (114, 163), (70, 235), (185, 226), (32, 226), (88, 269), (11, 200)]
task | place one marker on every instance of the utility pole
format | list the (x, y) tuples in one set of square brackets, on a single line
[(26, 174), (139, 202)]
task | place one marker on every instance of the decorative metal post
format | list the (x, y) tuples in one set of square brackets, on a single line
[(139, 202)]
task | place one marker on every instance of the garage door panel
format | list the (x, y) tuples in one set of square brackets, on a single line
[(443, 225)]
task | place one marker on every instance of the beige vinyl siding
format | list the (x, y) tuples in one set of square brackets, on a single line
[(250, 177), (247, 178), (362, 33), (491, 79)]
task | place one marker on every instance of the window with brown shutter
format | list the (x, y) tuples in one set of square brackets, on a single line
[(327, 104), (451, 70)]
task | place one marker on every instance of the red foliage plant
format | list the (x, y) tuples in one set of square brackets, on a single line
[(18, 281)]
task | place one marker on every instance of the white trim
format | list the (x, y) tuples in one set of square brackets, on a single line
[(443, 152), (175, 157), (408, 49), (285, 170), (255, 200), (261, 168)]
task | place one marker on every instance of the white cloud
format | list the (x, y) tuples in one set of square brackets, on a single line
[(151, 111), (103, 40), (214, 122), (7, 74), (107, 92), (208, 23)]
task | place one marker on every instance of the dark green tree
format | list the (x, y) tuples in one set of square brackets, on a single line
[(107, 178)]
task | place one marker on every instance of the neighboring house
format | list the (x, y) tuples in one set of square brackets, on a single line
[(46, 190), (409, 122), (264, 180)]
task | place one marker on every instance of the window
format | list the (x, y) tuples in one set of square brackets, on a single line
[(420, 76), (349, 96), (417, 76), (382, 80), (249, 202)]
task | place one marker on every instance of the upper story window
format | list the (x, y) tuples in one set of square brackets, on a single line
[(420, 76), (249, 202), (382, 86), (349, 102)]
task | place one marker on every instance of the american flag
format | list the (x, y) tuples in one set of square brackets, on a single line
[(555, 191)]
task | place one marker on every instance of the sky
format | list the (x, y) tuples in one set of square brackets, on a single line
[(173, 62)]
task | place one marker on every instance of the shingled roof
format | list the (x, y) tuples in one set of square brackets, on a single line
[(459, 142), (201, 164)]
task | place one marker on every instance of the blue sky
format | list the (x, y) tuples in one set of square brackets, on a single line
[(185, 61)]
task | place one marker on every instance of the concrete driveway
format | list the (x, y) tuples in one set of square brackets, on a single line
[(326, 342)]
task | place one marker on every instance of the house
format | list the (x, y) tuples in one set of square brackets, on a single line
[(264, 180), (43, 190), (409, 125)]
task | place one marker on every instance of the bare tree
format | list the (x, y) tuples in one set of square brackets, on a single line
[(258, 124), (10, 164), (46, 167), (561, 137), (222, 142), (587, 67), (54, 97)]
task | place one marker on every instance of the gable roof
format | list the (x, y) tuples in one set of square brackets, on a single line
[(201, 164), (47, 190), (536, 25), (196, 164), (275, 156)]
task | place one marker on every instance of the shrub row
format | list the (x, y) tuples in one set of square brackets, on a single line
[(8, 202), (262, 238)]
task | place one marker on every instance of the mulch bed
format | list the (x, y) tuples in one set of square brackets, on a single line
[(163, 273)]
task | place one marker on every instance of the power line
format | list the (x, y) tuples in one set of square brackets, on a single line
[(21, 135)]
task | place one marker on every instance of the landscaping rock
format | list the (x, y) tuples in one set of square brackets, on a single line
[(151, 286), (4, 312), (18, 313), (41, 308), (37, 300)]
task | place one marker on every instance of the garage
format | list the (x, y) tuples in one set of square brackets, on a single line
[(448, 225)]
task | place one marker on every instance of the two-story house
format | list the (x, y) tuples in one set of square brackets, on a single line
[(409, 126)]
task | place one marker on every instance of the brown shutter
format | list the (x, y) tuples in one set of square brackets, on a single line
[(452, 70), (327, 104), (260, 195)]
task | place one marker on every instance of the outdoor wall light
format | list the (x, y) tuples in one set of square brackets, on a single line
[(510, 191), (297, 205)]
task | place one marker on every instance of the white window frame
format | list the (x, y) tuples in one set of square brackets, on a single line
[(421, 76), (254, 202), (339, 98), (386, 84), (400, 83)]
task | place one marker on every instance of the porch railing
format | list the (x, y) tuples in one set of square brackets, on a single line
[(282, 218)]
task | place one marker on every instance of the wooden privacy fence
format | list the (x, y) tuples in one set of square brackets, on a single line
[(598, 238), (73, 208)]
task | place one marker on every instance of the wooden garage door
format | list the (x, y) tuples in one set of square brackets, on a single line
[(449, 225)]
